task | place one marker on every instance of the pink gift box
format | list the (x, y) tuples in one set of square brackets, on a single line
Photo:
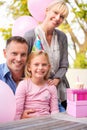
[(77, 108), (76, 94)]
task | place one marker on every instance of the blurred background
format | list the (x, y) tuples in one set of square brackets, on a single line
[(75, 26)]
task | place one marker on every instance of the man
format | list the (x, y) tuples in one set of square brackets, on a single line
[(16, 52)]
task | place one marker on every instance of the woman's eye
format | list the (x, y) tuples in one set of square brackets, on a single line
[(61, 16), (55, 12)]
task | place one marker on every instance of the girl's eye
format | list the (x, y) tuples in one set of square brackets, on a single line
[(44, 65)]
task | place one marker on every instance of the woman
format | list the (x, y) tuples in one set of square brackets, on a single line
[(54, 42)]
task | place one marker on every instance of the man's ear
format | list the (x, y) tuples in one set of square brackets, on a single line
[(4, 52)]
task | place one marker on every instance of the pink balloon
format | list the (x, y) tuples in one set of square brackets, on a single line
[(22, 25), (7, 103), (37, 8)]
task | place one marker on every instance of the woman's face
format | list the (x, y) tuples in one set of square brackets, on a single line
[(54, 17)]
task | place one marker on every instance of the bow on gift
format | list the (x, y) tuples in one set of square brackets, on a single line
[(37, 45)]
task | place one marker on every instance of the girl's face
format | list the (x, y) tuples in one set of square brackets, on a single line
[(54, 17), (39, 67)]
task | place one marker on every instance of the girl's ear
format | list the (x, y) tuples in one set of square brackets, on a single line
[(29, 68)]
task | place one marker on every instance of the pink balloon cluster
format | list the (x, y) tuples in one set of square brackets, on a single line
[(7, 103), (24, 23), (37, 8)]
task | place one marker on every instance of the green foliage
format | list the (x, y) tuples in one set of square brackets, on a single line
[(1, 3), (80, 61), (19, 8), (81, 12), (64, 27), (6, 32)]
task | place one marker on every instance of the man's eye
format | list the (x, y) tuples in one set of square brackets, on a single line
[(23, 55), (36, 64), (14, 54)]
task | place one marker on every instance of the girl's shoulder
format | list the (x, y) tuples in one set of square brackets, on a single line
[(24, 85), (25, 82), (50, 87)]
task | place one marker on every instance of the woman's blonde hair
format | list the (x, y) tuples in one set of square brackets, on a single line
[(32, 55), (59, 6)]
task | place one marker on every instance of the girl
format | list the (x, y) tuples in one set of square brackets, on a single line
[(33, 93)]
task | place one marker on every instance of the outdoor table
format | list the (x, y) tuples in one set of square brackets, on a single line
[(60, 121)]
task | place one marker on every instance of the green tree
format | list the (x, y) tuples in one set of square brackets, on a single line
[(80, 61), (16, 9), (79, 9)]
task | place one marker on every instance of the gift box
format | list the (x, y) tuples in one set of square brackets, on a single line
[(77, 102), (76, 94), (77, 108)]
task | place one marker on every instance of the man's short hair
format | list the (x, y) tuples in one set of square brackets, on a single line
[(17, 39)]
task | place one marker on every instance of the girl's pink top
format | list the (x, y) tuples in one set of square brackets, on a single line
[(43, 100)]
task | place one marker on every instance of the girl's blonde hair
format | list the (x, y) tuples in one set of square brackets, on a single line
[(32, 55), (59, 6)]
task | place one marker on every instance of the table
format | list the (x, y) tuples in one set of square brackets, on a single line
[(61, 121)]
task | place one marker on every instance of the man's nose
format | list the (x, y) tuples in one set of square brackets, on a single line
[(18, 57)]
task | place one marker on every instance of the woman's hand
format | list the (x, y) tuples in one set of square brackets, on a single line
[(53, 81), (26, 113)]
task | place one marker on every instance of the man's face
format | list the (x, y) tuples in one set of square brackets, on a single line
[(16, 56)]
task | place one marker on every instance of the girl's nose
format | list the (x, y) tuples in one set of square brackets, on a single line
[(40, 66)]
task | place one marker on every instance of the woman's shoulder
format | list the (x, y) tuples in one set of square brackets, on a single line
[(60, 33), (30, 33)]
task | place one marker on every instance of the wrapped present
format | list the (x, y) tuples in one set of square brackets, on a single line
[(76, 94), (77, 102), (77, 108)]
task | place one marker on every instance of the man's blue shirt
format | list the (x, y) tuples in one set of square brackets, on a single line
[(6, 76)]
